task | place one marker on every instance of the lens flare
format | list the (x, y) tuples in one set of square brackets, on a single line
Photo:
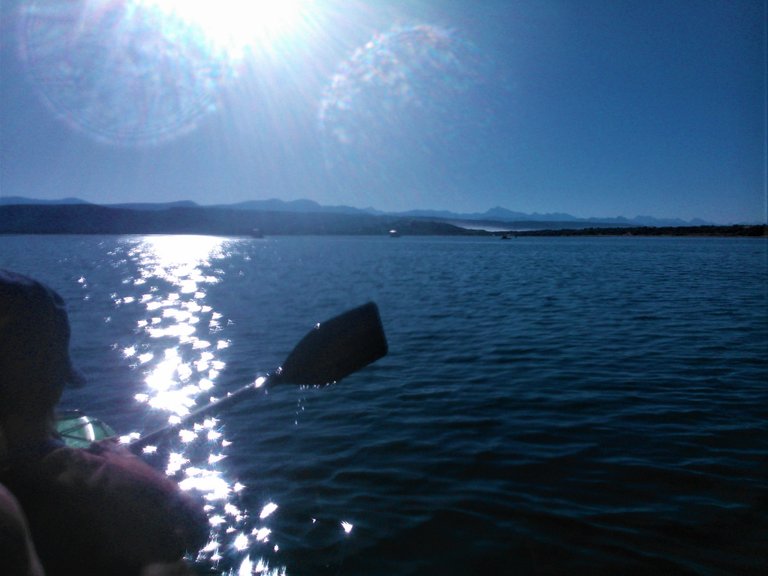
[(116, 72), (398, 105), (143, 72)]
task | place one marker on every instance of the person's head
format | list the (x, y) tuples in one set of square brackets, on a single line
[(34, 347)]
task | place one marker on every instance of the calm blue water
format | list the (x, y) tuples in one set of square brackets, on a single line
[(548, 406)]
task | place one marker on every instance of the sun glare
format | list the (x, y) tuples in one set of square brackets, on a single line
[(235, 25)]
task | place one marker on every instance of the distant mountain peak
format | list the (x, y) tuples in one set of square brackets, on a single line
[(298, 205)]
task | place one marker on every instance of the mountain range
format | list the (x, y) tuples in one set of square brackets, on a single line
[(494, 218)]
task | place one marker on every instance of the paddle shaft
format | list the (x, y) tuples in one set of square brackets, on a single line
[(139, 444), (329, 352)]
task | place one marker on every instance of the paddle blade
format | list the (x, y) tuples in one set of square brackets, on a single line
[(336, 348)]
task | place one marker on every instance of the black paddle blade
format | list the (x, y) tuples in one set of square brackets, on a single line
[(336, 348)]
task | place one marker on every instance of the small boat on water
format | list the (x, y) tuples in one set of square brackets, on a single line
[(394, 233)]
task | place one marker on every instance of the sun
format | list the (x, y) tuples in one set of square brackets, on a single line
[(236, 25)]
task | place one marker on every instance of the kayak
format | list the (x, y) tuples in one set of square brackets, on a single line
[(78, 430)]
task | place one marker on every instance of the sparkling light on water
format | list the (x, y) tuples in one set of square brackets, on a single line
[(268, 510), (176, 350)]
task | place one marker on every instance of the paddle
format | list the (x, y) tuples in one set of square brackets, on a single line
[(331, 351)]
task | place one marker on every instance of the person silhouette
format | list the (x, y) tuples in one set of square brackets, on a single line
[(100, 510)]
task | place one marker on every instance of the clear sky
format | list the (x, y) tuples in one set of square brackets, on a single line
[(590, 107)]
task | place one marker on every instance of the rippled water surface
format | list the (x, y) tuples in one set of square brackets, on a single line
[(548, 406)]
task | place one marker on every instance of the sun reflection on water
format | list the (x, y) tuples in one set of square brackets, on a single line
[(176, 350)]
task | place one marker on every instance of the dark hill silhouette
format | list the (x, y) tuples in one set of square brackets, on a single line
[(94, 219)]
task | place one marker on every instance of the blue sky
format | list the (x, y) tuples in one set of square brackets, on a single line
[(589, 107)]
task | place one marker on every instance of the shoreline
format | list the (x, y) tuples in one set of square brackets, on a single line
[(713, 231)]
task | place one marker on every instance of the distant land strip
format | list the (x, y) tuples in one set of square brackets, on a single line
[(220, 221), (759, 230)]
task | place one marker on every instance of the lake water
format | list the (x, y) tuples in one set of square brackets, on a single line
[(548, 406)]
